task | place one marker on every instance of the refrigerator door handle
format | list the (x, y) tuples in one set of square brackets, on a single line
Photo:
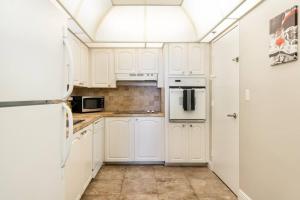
[(70, 68), (71, 137)]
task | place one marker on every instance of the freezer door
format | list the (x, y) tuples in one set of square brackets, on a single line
[(31, 51), (177, 111), (31, 146)]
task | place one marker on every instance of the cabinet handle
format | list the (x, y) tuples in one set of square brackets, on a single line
[(183, 125), (191, 125)]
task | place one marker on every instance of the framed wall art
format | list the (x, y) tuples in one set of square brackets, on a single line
[(284, 37)]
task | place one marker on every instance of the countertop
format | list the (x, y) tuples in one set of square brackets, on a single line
[(90, 118)]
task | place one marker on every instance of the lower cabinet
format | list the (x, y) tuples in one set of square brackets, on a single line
[(78, 169), (149, 139), (98, 146), (119, 139), (187, 143), (134, 139)]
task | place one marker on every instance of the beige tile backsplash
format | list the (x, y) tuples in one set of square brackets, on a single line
[(126, 98)]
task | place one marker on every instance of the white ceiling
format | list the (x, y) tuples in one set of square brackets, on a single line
[(147, 2), (156, 21)]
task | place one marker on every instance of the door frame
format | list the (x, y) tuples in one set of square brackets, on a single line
[(212, 77)]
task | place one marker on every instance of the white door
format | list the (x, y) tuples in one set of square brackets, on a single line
[(31, 152), (196, 59), (177, 59), (149, 60), (119, 139), (125, 61), (102, 71), (31, 59), (225, 102), (197, 143), (177, 143), (148, 139)]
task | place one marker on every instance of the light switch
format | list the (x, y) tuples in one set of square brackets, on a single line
[(247, 95)]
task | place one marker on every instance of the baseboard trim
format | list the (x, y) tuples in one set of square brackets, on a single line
[(242, 196)]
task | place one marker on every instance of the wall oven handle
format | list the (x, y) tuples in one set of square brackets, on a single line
[(70, 68), (71, 137)]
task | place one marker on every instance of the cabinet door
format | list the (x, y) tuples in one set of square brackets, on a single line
[(72, 171), (196, 59), (98, 145), (125, 61), (148, 139), (197, 141), (75, 47), (84, 66), (119, 145), (177, 143), (149, 60), (177, 59), (86, 156), (102, 72)]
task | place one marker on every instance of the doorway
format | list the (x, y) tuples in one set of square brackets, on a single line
[(225, 108)]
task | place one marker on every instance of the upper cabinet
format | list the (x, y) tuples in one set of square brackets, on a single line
[(188, 59), (80, 60), (149, 60), (102, 68), (137, 61), (196, 59), (125, 60), (84, 65), (177, 59)]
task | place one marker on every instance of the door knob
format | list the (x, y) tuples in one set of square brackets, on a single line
[(234, 115)]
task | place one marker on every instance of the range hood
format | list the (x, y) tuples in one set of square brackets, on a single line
[(137, 77), (148, 83)]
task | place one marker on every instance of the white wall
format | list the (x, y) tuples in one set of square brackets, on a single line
[(270, 121)]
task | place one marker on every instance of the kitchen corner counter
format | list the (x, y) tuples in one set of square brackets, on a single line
[(90, 118)]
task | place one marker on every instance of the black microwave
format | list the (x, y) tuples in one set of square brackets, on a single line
[(84, 104)]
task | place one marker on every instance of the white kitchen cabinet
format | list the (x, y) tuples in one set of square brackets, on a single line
[(188, 59), (149, 60), (98, 145), (149, 139), (78, 170), (86, 156), (177, 58), (72, 171), (119, 139), (102, 68), (177, 144), (76, 50), (84, 65), (197, 143), (125, 61), (80, 54), (196, 59), (187, 143)]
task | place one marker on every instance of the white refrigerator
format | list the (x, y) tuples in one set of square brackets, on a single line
[(35, 78)]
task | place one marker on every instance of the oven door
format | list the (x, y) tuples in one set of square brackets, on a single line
[(176, 108), (92, 104)]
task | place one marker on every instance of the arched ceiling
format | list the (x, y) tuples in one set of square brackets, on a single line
[(149, 20)]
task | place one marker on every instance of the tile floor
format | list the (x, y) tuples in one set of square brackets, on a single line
[(115, 182)]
